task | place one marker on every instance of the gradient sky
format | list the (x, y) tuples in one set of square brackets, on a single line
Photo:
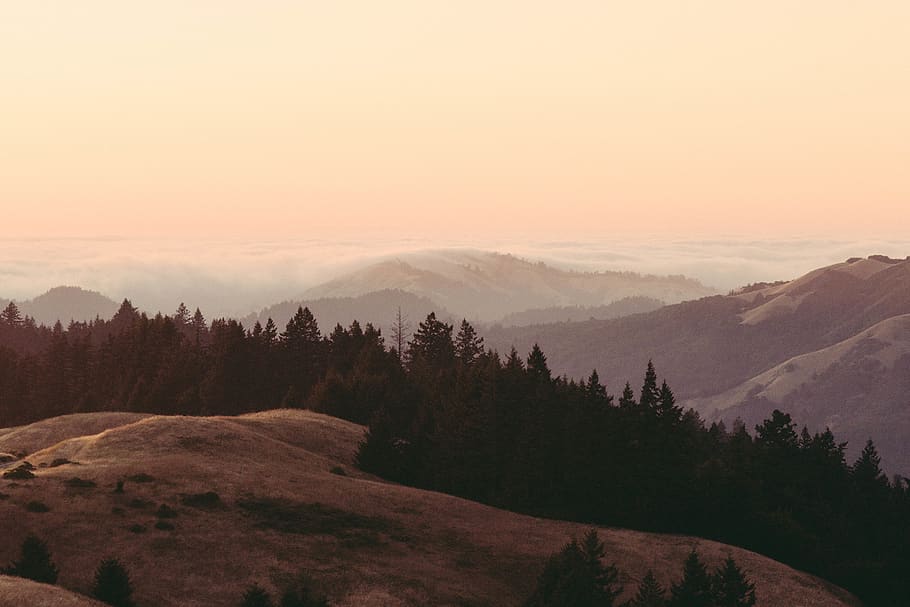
[(415, 117)]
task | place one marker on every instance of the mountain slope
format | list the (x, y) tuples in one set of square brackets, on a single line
[(707, 347), (280, 509), (17, 592), (487, 286), (378, 307), (66, 304)]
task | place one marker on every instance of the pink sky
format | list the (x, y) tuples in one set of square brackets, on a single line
[(406, 117)]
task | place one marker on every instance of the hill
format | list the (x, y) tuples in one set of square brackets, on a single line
[(485, 286), (617, 309), (378, 307), (66, 304), (716, 350), (17, 592), (256, 500)]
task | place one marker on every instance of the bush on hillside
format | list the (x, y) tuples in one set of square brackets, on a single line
[(35, 562), (112, 584)]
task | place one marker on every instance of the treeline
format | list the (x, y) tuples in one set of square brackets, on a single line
[(449, 415)]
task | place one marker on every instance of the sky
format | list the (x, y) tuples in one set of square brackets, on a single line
[(526, 120)]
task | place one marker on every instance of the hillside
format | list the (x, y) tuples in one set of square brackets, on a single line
[(708, 347), (280, 509), (485, 286), (17, 592), (66, 304), (378, 307), (616, 309)]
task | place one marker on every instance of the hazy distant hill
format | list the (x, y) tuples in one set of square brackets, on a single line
[(287, 498), (378, 307), (831, 347), (617, 309), (66, 304), (488, 286)]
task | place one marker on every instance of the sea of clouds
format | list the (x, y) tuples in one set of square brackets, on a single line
[(229, 277)]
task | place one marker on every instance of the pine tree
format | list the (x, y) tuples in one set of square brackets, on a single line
[(867, 470), (468, 345), (694, 589), (596, 390), (627, 400), (432, 344), (182, 316), (200, 329), (112, 584), (35, 562), (400, 328), (650, 394), (11, 315), (270, 332), (650, 593), (256, 596), (577, 577), (537, 364), (666, 407), (730, 586)]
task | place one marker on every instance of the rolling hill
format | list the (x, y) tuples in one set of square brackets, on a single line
[(259, 498), (831, 347), (66, 304), (484, 286)]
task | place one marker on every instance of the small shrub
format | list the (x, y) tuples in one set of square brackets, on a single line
[(142, 477), (4, 496), (35, 564), (6, 458), (164, 526), (119, 487), (118, 510), (20, 473), (139, 504), (36, 506), (80, 483), (137, 528), (27, 465), (256, 596), (339, 471), (59, 461), (112, 584), (206, 501), (165, 511)]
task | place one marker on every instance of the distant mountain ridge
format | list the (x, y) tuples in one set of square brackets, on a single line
[(66, 303), (485, 286), (831, 347)]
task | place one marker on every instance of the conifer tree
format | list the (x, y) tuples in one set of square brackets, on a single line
[(468, 345), (666, 407), (576, 577), (112, 584), (270, 332), (35, 562), (694, 589), (182, 316), (730, 586), (650, 394), (537, 364), (11, 315), (650, 593), (256, 596), (627, 400), (867, 470), (432, 344)]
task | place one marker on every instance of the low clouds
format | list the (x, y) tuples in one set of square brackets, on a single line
[(235, 277)]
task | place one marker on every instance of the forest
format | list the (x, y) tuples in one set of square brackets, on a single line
[(445, 413)]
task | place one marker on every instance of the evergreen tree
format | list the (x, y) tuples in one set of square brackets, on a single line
[(867, 470), (650, 394), (627, 400), (432, 344), (182, 316), (730, 586), (256, 596), (400, 329), (537, 364), (666, 407), (468, 345), (577, 577), (694, 589), (200, 329), (778, 433), (112, 584), (270, 333), (650, 593), (11, 315), (35, 562)]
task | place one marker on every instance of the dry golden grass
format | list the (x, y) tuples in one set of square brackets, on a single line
[(16, 592), (368, 542)]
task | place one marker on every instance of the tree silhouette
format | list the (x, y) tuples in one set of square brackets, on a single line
[(35, 562), (730, 586), (112, 584), (650, 593), (11, 315), (468, 345), (256, 596), (577, 577), (694, 589)]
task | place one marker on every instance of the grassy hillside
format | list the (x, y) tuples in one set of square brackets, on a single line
[(288, 499), (16, 592)]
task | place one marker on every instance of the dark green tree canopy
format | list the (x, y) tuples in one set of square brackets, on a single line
[(112, 584), (35, 562)]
